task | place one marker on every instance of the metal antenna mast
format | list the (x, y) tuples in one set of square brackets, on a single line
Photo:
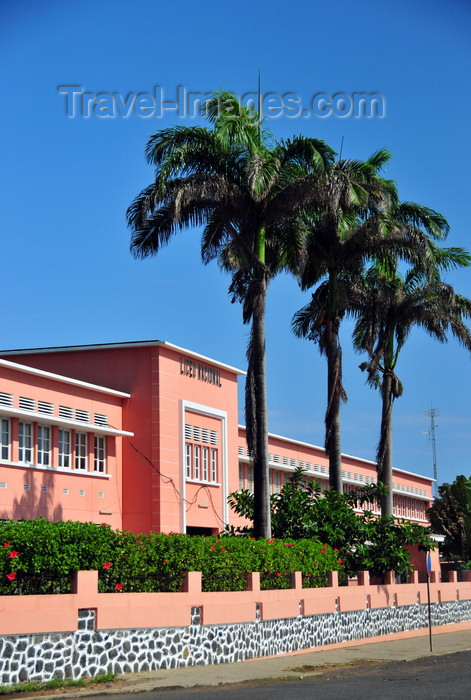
[(432, 412)]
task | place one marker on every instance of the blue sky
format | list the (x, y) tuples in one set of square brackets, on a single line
[(67, 276)]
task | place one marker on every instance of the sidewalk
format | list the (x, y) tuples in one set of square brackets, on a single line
[(444, 641)]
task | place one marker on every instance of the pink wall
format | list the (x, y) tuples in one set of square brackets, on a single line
[(57, 493), (58, 613)]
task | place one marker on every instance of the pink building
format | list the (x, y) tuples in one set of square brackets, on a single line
[(143, 436)]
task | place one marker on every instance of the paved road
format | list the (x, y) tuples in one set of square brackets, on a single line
[(429, 678)]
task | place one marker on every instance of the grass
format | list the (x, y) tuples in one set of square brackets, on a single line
[(30, 686)]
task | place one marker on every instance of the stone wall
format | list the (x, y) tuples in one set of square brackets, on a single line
[(90, 652)]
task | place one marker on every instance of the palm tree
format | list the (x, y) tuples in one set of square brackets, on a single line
[(245, 189), (340, 233), (388, 305)]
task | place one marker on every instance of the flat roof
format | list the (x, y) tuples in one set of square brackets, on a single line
[(135, 343)]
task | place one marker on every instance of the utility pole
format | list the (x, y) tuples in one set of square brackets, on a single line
[(432, 412)]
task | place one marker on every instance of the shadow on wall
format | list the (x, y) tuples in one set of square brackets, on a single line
[(37, 499)]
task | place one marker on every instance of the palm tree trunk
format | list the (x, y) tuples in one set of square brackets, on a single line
[(384, 457), (332, 416), (262, 514)]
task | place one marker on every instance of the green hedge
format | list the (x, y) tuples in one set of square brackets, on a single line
[(40, 557)]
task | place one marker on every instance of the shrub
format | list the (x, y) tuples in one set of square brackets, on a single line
[(40, 557)]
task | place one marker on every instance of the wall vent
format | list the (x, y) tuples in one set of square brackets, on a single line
[(27, 404), (6, 399), (82, 416), (100, 419), (66, 412), (46, 407), (26, 487), (3, 484)]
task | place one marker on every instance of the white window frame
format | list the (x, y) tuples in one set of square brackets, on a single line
[(196, 462), (81, 451), (44, 445), (25, 442), (99, 454), (188, 451), (65, 448), (205, 475), (223, 458), (241, 476), (5, 439), (214, 465)]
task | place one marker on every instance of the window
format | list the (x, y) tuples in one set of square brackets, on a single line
[(99, 459), (276, 481), (188, 460), (25, 442), (44, 445), (81, 451), (214, 465), (241, 477), (201, 460), (250, 478), (64, 448), (196, 461), (4, 438), (205, 463)]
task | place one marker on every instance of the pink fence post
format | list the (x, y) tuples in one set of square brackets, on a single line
[(333, 578), (85, 583), (452, 577), (363, 578), (296, 579), (389, 578), (414, 577), (192, 582), (253, 581)]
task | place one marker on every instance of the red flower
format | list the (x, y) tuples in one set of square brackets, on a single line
[(213, 546), (14, 554), (222, 549), (6, 544), (107, 565), (12, 576), (278, 574), (165, 561), (272, 540), (322, 551), (218, 540), (335, 549), (119, 587), (339, 561), (289, 544), (309, 575)]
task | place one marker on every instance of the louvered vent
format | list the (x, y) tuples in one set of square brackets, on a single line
[(44, 489), (3, 484), (6, 399), (205, 435), (196, 433), (66, 412), (26, 487), (82, 416), (188, 432), (241, 451), (46, 407), (27, 404), (100, 419)]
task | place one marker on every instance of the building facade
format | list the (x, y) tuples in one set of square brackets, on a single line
[(144, 436)]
